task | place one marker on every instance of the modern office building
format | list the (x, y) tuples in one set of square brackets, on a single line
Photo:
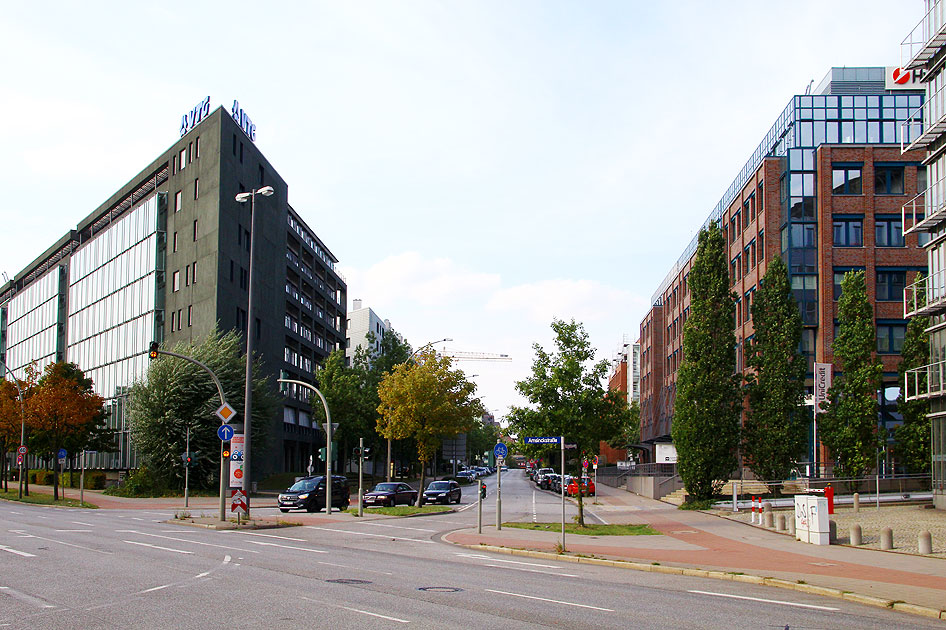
[(166, 258), (361, 321), (923, 53), (823, 190)]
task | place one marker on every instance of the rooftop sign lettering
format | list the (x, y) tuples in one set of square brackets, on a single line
[(194, 116), (243, 120)]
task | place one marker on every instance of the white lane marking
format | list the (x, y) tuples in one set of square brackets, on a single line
[(183, 540), (416, 529), (232, 531), (499, 566), (767, 601), (466, 507), (544, 599), (14, 551), (156, 588), (141, 544), (365, 612), (59, 542), (345, 566), (535, 516), (200, 575), (529, 564), (23, 597), (269, 544), (67, 531), (81, 523), (135, 518), (12, 512), (348, 531)]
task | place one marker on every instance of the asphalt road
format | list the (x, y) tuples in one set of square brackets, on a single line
[(65, 568)]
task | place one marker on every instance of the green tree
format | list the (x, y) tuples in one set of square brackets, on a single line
[(913, 436), (849, 425), (628, 433), (705, 426), (568, 397), (776, 429), (63, 407), (481, 437), (428, 401), (178, 395), (350, 399)]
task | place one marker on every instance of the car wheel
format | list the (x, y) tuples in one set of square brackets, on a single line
[(310, 508), (283, 510), (458, 499)]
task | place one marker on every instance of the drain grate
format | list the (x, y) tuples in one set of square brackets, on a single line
[(440, 589), (348, 581)]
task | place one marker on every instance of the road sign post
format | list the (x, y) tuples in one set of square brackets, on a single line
[(555, 440), (499, 451)]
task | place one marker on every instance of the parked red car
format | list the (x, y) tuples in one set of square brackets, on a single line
[(587, 487)]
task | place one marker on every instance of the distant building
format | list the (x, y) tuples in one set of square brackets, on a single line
[(361, 321)]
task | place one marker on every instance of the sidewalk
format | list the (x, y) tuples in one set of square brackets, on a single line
[(705, 541)]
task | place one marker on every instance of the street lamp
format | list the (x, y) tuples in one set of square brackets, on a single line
[(412, 355), (22, 425), (265, 191), (328, 440)]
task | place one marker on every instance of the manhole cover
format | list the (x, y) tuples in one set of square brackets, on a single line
[(348, 581), (440, 589)]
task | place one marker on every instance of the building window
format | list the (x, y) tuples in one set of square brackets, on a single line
[(196, 188), (178, 201), (173, 172), (174, 246), (849, 233), (761, 240), (889, 232), (890, 338), (173, 314), (745, 261), (890, 285), (847, 180), (195, 230), (187, 276), (182, 160), (176, 281), (231, 270), (888, 180), (197, 147), (190, 315), (246, 239), (194, 272)]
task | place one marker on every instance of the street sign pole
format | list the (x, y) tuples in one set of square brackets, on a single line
[(361, 486), (499, 451), (563, 493), (187, 469), (479, 508), (82, 481)]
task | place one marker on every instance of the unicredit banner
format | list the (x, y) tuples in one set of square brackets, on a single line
[(823, 373), (898, 79)]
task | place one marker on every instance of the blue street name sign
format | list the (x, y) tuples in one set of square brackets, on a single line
[(544, 440), (225, 432), (500, 450)]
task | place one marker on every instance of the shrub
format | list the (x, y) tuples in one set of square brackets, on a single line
[(140, 483)]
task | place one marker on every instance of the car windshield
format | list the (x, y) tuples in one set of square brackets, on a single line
[(385, 487), (439, 485), (303, 485)]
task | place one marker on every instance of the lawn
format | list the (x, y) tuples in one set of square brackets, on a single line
[(403, 510), (590, 529), (38, 498)]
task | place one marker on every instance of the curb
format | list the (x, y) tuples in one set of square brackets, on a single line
[(825, 591)]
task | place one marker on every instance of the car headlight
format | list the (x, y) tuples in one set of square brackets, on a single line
[(304, 496)]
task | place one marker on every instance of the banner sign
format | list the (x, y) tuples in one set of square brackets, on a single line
[(823, 374), (236, 460)]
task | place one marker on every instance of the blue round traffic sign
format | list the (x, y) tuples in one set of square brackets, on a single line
[(63, 453), (225, 432), (500, 450)]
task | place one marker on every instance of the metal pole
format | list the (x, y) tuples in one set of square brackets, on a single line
[(361, 487), (248, 391), (479, 507), (499, 496), (187, 468), (82, 481), (328, 434), (563, 493), (878, 480)]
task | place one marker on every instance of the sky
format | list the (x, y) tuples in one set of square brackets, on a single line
[(478, 168)]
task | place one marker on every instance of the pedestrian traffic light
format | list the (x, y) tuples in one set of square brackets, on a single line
[(483, 491), (153, 350), (366, 452)]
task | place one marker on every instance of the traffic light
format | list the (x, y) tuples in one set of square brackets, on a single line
[(322, 454), (190, 459), (482, 490), (367, 451), (153, 350)]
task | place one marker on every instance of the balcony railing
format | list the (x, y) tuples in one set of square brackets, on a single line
[(925, 382), (926, 296), (925, 39), (926, 123)]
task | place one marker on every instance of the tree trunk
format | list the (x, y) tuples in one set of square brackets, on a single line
[(581, 506), (420, 492)]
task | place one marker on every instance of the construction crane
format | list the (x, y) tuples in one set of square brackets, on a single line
[(474, 356)]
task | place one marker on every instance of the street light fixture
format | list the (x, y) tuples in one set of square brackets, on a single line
[(265, 191), (328, 440), (22, 424)]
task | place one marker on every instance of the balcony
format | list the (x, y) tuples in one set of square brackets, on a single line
[(926, 296), (925, 382), (913, 134), (925, 39)]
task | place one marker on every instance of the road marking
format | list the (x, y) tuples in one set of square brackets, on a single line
[(535, 516), (66, 531), (231, 531), (183, 540), (348, 531), (132, 542), (81, 523), (59, 542), (482, 557), (23, 597), (767, 601), (416, 529), (14, 551), (365, 612), (135, 518), (466, 507), (156, 588), (269, 544), (499, 566), (544, 599)]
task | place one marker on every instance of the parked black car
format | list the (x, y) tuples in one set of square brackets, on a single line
[(442, 492), (390, 494), (309, 493)]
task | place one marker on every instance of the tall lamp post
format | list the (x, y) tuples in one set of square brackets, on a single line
[(22, 425), (265, 191), (413, 354), (328, 439)]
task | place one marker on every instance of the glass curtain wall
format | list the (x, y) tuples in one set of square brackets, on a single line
[(32, 318)]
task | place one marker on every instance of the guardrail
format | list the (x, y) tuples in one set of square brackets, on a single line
[(929, 26), (926, 295)]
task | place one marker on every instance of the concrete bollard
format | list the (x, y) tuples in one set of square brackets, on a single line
[(768, 518), (832, 532), (857, 502), (780, 523), (886, 539), (791, 525), (767, 506), (856, 538), (924, 543)]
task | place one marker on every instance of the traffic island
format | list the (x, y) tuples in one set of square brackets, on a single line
[(213, 522)]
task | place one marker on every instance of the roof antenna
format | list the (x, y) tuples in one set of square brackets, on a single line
[(808, 89)]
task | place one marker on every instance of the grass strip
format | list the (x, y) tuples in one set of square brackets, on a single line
[(590, 529), (38, 498), (402, 510)]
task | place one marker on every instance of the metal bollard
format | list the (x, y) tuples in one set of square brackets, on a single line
[(857, 502), (925, 543), (832, 532), (886, 539), (767, 519), (856, 538), (780, 523)]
